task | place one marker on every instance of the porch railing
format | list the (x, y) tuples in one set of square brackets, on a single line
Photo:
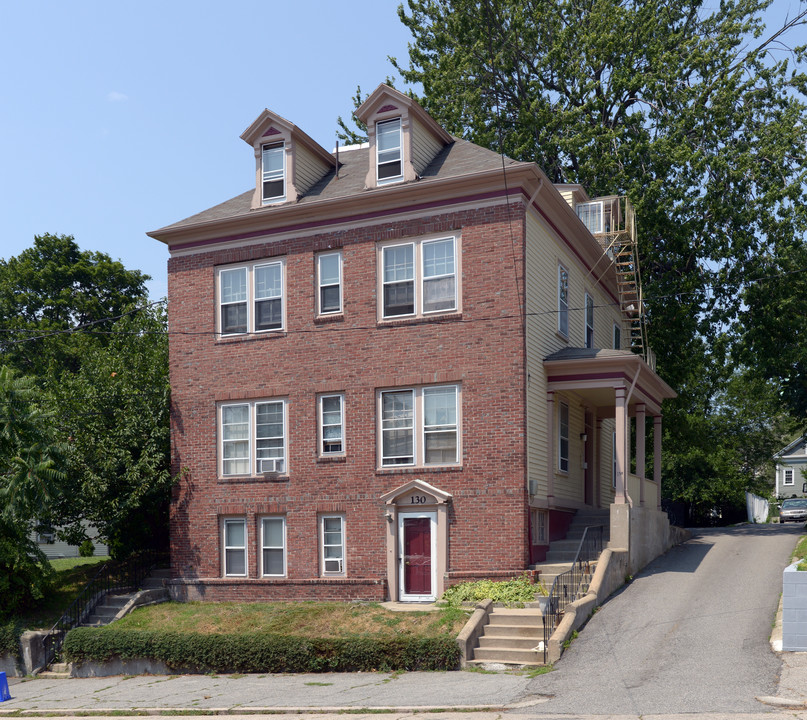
[(566, 587), (113, 576)]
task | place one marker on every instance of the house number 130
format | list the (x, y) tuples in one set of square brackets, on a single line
[(417, 499)]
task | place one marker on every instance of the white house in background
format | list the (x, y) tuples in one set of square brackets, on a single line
[(791, 469), (53, 548)]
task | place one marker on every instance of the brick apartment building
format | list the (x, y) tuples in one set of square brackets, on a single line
[(395, 367)]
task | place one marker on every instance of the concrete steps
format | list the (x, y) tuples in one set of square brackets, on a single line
[(56, 671), (512, 636)]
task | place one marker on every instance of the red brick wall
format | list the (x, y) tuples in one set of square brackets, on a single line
[(483, 351)]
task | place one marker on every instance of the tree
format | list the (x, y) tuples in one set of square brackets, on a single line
[(664, 101), (115, 413), (29, 483), (54, 287)]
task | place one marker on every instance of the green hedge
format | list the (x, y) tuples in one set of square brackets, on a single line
[(10, 638), (263, 653)]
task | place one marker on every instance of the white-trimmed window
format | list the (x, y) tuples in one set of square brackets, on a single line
[(419, 278), (389, 165), (329, 279), (273, 172), (419, 426), (563, 437), (250, 297), (563, 301), (589, 321), (591, 215), (273, 546), (617, 337), (332, 424), (787, 477), (234, 542), (332, 536), (253, 437)]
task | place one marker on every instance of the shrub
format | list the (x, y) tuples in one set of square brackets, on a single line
[(10, 638), (263, 653), (516, 591), (86, 549)]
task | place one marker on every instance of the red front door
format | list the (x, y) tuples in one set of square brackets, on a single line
[(417, 556)]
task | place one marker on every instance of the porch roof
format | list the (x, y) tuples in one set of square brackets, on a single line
[(595, 373)]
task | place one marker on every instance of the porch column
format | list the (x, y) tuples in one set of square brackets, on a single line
[(657, 455), (550, 448), (621, 421), (640, 453)]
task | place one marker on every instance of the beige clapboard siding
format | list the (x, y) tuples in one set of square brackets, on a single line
[(424, 147), (308, 169), (606, 462), (544, 252)]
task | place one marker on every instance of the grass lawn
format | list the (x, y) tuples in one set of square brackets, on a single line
[(70, 576), (303, 619)]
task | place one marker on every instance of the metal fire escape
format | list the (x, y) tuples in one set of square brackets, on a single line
[(613, 223)]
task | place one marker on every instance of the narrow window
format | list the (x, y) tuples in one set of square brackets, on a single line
[(398, 428), (333, 545), (399, 280), (563, 301), (788, 477), (539, 534), (273, 546), (274, 172), (235, 547), (233, 294), (270, 437), (563, 438), (331, 422), (269, 296), (589, 321), (617, 337), (235, 439), (388, 150), (439, 283), (440, 425), (330, 283)]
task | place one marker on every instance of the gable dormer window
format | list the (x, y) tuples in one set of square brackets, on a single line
[(388, 151), (273, 161)]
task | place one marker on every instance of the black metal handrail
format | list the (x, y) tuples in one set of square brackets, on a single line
[(566, 586), (113, 576)]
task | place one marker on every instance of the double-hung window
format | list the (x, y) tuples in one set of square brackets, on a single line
[(788, 477), (332, 424), (273, 546), (253, 438), (332, 534), (591, 214), (388, 151), (617, 337), (419, 278), (420, 426), (589, 321), (234, 536), (251, 297), (329, 278), (563, 301), (273, 169), (563, 437)]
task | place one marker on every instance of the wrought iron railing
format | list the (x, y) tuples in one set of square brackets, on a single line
[(114, 576), (567, 586)]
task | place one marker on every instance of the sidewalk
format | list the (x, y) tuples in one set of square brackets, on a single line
[(321, 693)]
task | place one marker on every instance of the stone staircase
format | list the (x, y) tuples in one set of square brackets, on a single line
[(513, 636)]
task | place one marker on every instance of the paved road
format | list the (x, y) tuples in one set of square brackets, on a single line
[(690, 634)]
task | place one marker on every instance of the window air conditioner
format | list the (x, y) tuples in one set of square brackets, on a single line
[(270, 465), (333, 565)]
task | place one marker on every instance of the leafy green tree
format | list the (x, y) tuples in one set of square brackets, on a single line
[(54, 287), (115, 412), (30, 481), (686, 109)]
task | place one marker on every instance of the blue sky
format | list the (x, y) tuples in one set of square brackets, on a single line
[(119, 118)]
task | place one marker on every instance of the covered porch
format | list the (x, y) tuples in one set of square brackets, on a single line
[(621, 397)]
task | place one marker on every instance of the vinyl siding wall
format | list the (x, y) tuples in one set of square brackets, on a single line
[(544, 253), (307, 169), (424, 147)]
